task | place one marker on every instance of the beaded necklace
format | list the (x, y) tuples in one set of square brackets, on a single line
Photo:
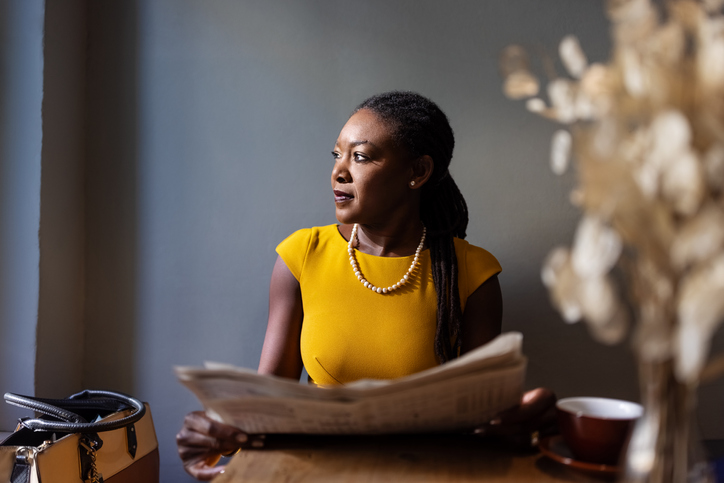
[(361, 277)]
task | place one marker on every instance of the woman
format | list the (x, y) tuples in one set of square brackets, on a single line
[(394, 289)]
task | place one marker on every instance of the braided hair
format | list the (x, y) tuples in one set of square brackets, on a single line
[(419, 126)]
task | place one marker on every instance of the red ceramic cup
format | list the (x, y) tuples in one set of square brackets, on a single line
[(595, 428)]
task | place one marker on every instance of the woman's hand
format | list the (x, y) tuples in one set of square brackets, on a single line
[(524, 423), (202, 442)]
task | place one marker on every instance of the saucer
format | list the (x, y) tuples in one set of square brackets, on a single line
[(556, 449)]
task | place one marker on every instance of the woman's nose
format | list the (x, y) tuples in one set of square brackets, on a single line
[(340, 173)]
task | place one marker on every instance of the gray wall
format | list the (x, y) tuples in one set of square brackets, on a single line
[(208, 126), (21, 95)]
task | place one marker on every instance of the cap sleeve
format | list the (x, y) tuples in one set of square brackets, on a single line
[(293, 250), (480, 265)]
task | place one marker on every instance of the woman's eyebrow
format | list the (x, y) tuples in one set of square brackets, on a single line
[(358, 143), (354, 144)]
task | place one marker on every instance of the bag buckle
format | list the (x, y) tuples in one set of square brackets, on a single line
[(87, 447)]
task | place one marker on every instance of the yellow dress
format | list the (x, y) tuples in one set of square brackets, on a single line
[(350, 332)]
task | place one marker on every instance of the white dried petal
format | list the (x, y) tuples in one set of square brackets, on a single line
[(647, 179), (670, 134), (595, 91), (553, 265), (536, 104), (558, 276), (596, 248), (605, 138), (700, 295), (714, 166), (682, 183), (691, 347), (572, 56), (699, 239), (628, 10), (598, 300), (642, 450), (614, 330), (634, 20), (711, 68), (562, 94), (633, 73), (561, 151), (513, 58), (520, 85), (585, 108), (700, 310), (570, 311), (710, 54), (565, 299), (595, 81)]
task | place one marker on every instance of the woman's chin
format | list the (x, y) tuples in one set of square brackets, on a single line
[(344, 217), (344, 221)]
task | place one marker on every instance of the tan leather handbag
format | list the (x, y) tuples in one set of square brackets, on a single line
[(92, 436)]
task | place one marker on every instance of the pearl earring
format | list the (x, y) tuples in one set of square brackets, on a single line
[(412, 183)]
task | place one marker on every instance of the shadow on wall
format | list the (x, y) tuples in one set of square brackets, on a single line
[(565, 357), (59, 335), (111, 202)]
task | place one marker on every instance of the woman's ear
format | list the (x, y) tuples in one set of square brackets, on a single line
[(422, 169)]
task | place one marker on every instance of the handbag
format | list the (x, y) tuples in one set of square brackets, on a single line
[(91, 436)]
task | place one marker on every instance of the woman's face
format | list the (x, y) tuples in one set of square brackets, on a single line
[(371, 175)]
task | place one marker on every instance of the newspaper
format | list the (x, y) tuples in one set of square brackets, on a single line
[(458, 395)]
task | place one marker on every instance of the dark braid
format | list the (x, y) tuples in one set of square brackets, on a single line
[(419, 126)]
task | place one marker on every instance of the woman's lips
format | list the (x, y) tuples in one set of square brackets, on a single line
[(341, 196)]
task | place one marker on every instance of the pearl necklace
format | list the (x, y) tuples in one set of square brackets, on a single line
[(363, 280)]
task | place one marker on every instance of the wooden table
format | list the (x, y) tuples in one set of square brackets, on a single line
[(396, 458)]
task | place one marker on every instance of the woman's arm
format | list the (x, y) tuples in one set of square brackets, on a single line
[(281, 354), (483, 315)]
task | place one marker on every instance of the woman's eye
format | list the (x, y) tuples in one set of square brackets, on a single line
[(336, 155), (360, 158)]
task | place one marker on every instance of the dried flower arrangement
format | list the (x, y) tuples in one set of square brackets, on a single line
[(646, 131)]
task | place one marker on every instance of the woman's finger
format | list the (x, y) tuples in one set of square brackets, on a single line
[(194, 454), (201, 423), (523, 424), (203, 471), (202, 441), (533, 406), (187, 438)]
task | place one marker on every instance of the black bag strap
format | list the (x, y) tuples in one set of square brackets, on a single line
[(42, 406), (101, 404), (73, 423)]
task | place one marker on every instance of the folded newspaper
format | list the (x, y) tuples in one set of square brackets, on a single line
[(458, 395)]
